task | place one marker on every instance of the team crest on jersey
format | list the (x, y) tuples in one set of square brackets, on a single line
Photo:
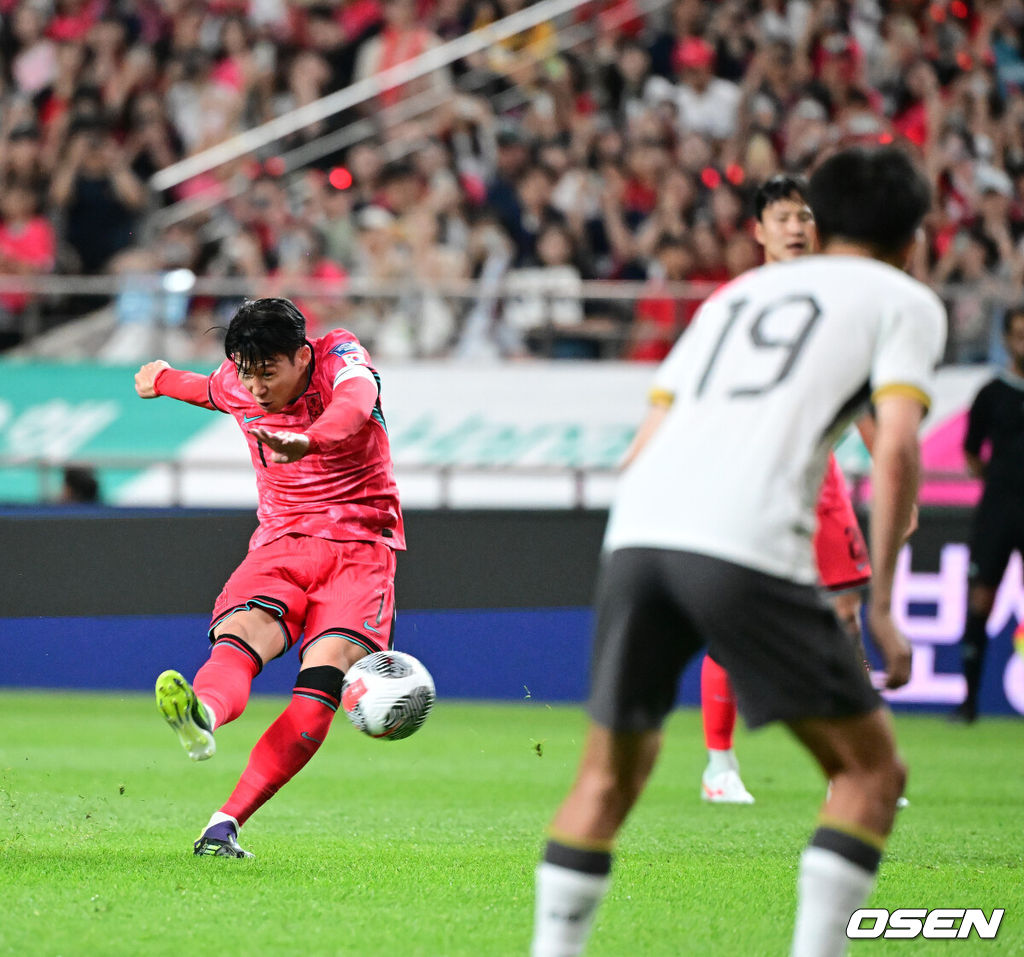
[(314, 405)]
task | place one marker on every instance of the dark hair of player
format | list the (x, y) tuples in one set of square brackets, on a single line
[(81, 485), (264, 329), (779, 187), (871, 197)]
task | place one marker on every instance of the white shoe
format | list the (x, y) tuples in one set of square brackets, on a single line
[(724, 788)]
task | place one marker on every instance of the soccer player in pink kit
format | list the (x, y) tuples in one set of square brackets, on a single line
[(320, 569)]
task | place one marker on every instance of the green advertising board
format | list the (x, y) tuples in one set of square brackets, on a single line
[(52, 412)]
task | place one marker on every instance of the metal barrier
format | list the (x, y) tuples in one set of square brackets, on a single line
[(48, 471), (440, 317), (478, 308)]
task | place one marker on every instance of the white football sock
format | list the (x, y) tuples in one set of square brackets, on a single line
[(830, 888), (721, 761), (219, 817), (566, 904), (211, 716)]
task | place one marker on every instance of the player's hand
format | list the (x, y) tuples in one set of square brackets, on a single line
[(892, 644), (284, 446), (847, 608), (145, 378)]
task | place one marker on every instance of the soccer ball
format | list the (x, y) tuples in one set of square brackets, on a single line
[(388, 694)]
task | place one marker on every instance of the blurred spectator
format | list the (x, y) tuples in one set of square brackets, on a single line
[(329, 38), (34, 66), (301, 255), (364, 164), (21, 160), (27, 248), (518, 60), (402, 38), (152, 141), (971, 266), (99, 195), (511, 159), (660, 318), (330, 209), (707, 104), (79, 486), (686, 19), (535, 211), (544, 299), (204, 107)]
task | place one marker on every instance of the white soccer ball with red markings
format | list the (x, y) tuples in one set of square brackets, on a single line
[(388, 694)]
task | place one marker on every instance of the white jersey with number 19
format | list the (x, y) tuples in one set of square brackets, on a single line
[(772, 369)]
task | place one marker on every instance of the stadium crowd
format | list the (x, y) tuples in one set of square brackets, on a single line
[(630, 155)]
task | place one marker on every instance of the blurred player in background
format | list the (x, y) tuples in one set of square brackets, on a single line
[(996, 419), (710, 541), (785, 228), (321, 563)]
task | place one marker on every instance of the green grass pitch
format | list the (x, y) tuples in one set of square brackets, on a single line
[(427, 846)]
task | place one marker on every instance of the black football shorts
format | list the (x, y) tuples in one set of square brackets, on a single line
[(786, 653), (997, 530)]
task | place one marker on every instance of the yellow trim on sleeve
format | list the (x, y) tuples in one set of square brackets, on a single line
[(904, 389), (661, 397), (876, 841)]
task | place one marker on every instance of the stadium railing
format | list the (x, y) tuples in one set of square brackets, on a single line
[(48, 470), (55, 310)]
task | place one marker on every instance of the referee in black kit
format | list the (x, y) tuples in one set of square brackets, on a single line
[(996, 417)]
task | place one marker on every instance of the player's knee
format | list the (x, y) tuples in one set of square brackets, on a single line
[(239, 644), (259, 630), (884, 780), (613, 794), (323, 678), (615, 790)]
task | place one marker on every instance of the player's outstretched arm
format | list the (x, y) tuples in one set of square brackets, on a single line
[(895, 473), (158, 378), (351, 404)]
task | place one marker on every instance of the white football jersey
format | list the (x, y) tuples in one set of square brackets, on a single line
[(770, 372)]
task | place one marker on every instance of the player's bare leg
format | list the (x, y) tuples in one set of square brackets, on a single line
[(720, 783), (575, 873), (848, 606), (838, 868)]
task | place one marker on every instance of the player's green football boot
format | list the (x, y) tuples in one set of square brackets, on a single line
[(186, 715)]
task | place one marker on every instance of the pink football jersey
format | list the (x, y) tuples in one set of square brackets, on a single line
[(347, 493)]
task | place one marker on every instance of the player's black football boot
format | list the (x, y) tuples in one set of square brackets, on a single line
[(219, 840)]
